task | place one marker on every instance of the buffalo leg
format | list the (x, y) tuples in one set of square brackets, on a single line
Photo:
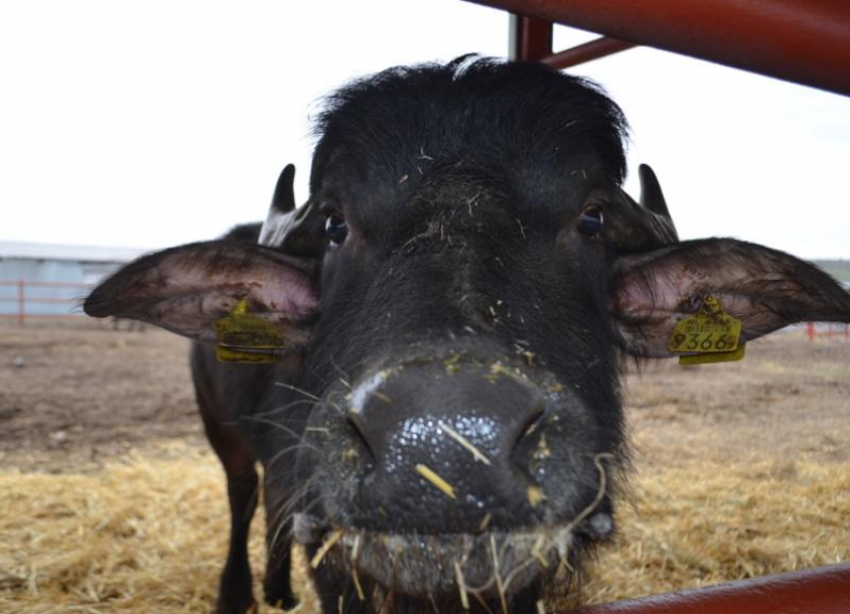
[(235, 595), (337, 592), (277, 585)]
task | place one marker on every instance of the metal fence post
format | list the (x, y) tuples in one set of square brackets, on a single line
[(21, 284)]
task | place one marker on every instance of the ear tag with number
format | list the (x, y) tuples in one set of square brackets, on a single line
[(243, 337), (708, 336)]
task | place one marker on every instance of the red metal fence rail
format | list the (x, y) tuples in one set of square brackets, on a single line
[(823, 590), (802, 42), (24, 299)]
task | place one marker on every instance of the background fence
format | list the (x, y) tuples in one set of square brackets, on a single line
[(828, 330), (23, 300)]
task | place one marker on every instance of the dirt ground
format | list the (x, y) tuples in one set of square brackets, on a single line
[(73, 396), (740, 469)]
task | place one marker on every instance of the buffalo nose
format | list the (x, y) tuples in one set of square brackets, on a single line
[(444, 440)]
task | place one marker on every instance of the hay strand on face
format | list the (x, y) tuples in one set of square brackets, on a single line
[(461, 586), (355, 548), (357, 586), (536, 496), (463, 441), (497, 575), (485, 522), (332, 539), (537, 553), (429, 474)]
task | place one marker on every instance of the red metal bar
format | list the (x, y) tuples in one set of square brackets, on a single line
[(805, 42), (593, 50), (49, 300), (21, 308), (825, 590), (51, 316), (810, 331), (30, 299), (531, 39), (46, 284)]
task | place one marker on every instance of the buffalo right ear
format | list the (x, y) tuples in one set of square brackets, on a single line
[(187, 289), (763, 288)]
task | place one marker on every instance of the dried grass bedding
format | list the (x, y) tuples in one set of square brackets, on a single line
[(147, 535)]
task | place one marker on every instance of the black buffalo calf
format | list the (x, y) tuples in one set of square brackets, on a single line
[(450, 307)]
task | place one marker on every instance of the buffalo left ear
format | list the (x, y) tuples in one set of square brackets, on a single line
[(188, 289), (764, 288)]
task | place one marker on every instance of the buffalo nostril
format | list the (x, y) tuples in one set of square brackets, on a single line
[(534, 422), (362, 446), (526, 444)]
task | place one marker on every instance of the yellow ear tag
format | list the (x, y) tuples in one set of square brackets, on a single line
[(243, 337), (708, 336)]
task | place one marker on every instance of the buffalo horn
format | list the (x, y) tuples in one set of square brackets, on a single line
[(283, 200), (637, 227), (299, 232)]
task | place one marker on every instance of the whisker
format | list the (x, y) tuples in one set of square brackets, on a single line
[(284, 515), (472, 590), (570, 527), (286, 407), (288, 522), (291, 502), (482, 602), (343, 375), (499, 586), (276, 536), (309, 395), (433, 603), (283, 428), (278, 533), (276, 457), (360, 595), (600, 493), (387, 601), (355, 549), (516, 570), (461, 585)]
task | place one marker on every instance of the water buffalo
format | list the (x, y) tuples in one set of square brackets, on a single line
[(450, 309)]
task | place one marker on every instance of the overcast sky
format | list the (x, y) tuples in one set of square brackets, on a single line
[(153, 123)]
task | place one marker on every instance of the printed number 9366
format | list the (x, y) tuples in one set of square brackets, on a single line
[(703, 342)]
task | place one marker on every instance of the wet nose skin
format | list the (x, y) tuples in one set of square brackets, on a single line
[(443, 440)]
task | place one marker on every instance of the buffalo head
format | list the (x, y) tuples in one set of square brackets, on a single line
[(460, 288)]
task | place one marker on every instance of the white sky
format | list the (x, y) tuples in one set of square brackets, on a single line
[(153, 123)]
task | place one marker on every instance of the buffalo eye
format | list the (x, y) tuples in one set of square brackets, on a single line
[(336, 229), (591, 221)]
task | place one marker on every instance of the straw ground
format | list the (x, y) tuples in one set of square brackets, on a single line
[(110, 502)]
